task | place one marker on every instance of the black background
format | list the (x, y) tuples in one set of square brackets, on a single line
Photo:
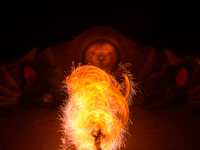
[(163, 24)]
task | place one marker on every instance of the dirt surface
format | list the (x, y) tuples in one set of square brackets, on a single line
[(37, 128)]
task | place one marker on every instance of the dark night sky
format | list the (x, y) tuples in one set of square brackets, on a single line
[(27, 24)]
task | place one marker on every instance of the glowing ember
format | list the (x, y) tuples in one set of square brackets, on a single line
[(182, 77), (96, 113)]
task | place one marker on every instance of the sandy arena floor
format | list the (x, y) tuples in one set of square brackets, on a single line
[(33, 128)]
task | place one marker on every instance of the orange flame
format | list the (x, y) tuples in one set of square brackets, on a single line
[(96, 113)]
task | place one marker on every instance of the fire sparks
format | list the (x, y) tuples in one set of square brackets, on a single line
[(96, 112)]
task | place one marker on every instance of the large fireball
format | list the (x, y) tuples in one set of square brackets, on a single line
[(96, 113)]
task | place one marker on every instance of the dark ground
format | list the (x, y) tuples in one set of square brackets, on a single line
[(35, 128)]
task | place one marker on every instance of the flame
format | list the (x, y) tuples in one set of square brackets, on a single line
[(96, 114)]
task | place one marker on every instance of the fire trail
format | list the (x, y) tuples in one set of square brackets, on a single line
[(95, 115)]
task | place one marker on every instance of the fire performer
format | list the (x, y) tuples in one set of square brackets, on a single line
[(95, 115)]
